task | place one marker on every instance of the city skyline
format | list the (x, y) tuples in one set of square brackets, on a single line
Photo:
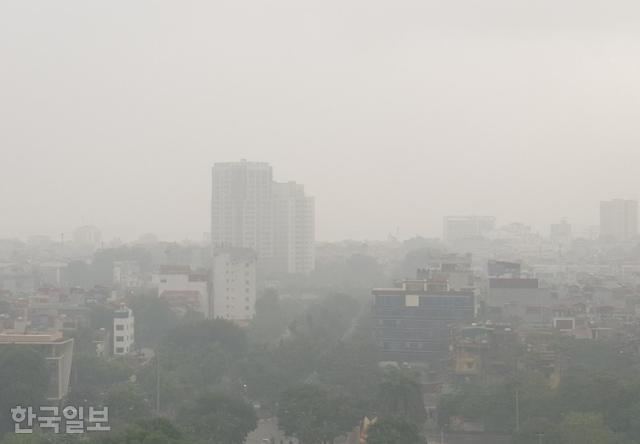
[(584, 228), (114, 116)]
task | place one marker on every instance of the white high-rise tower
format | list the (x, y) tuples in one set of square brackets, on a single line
[(250, 210)]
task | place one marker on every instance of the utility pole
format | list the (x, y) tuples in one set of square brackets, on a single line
[(157, 383), (517, 410)]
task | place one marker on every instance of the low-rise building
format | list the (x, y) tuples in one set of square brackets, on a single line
[(414, 322), (57, 352), (183, 288), (123, 331)]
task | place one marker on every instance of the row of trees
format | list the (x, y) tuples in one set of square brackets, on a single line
[(597, 399), (295, 359)]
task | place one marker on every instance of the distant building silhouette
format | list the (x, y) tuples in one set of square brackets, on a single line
[(456, 228), (250, 210), (618, 220)]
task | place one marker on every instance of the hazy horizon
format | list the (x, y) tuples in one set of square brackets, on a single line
[(391, 115)]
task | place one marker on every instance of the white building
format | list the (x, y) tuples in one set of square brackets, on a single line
[(183, 288), (123, 331), (241, 208), (234, 284), (456, 228), (250, 210), (294, 228), (618, 219)]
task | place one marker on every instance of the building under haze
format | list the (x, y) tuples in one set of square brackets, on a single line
[(250, 210), (123, 331), (459, 228), (413, 322), (183, 288), (618, 220), (241, 206), (234, 284), (560, 233), (294, 228)]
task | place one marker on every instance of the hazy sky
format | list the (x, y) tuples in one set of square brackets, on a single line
[(392, 113)]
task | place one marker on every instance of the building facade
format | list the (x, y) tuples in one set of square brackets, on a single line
[(459, 228), (414, 322), (618, 220), (250, 210), (234, 284), (294, 228), (241, 206), (123, 331), (184, 289)]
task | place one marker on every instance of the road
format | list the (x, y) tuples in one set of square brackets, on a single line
[(267, 429)]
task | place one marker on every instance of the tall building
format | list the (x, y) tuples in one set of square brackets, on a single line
[(234, 284), (241, 206), (250, 210), (456, 228), (618, 219), (294, 228)]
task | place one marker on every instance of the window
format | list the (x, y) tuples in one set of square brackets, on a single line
[(119, 338), (120, 327)]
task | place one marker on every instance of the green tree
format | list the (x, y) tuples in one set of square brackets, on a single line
[(93, 376), (583, 428), (394, 430), (218, 418), (154, 319), (146, 431), (313, 414), (270, 321), (352, 367), (24, 377), (126, 402), (38, 437), (200, 335), (400, 394)]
